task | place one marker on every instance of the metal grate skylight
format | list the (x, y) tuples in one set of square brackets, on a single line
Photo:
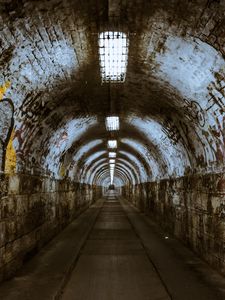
[(113, 50), (112, 144), (112, 123), (112, 154)]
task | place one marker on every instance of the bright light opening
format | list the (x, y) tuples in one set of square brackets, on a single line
[(112, 144), (112, 154), (112, 161), (111, 176), (111, 170), (112, 123), (113, 50)]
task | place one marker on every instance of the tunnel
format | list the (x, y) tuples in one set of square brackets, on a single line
[(112, 149)]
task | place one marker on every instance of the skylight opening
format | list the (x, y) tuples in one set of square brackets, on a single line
[(112, 144), (112, 123), (112, 171), (111, 176), (112, 154), (113, 52)]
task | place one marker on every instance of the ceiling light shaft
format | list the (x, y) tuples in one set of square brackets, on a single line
[(112, 123), (112, 154), (113, 51), (112, 144)]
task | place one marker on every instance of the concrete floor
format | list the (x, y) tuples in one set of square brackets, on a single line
[(113, 263), (113, 252)]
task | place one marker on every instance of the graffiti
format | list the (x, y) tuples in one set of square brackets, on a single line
[(179, 133), (18, 137), (6, 128), (62, 171), (62, 137), (184, 127), (220, 211), (7, 154), (10, 161), (216, 139), (22, 136), (3, 89), (194, 112), (171, 130), (217, 94)]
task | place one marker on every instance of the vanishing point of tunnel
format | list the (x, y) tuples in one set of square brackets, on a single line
[(112, 149)]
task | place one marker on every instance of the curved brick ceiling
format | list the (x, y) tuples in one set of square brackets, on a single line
[(171, 106)]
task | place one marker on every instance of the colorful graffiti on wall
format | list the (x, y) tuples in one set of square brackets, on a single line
[(7, 151)]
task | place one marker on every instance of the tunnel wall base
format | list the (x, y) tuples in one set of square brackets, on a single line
[(32, 211), (192, 208)]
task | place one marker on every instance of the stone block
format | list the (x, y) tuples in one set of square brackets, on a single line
[(7, 207), (34, 201), (14, 184), (22, 204), (2, 233), (10, 230)]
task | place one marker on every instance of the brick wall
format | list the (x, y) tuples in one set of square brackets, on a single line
[(34, 209), (192, 208)]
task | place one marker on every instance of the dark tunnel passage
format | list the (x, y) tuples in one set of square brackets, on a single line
[(119, 94)]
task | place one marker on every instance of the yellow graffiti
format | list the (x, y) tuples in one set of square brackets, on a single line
[(62, 171), (10, 161), (3, 89)]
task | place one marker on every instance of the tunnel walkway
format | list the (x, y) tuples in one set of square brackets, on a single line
[(114, 252), (113, 263)]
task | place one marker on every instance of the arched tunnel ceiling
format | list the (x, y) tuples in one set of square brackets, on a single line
[(171, 105)]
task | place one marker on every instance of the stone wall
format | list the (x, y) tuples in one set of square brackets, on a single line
[(34, 209), (192, 208)]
